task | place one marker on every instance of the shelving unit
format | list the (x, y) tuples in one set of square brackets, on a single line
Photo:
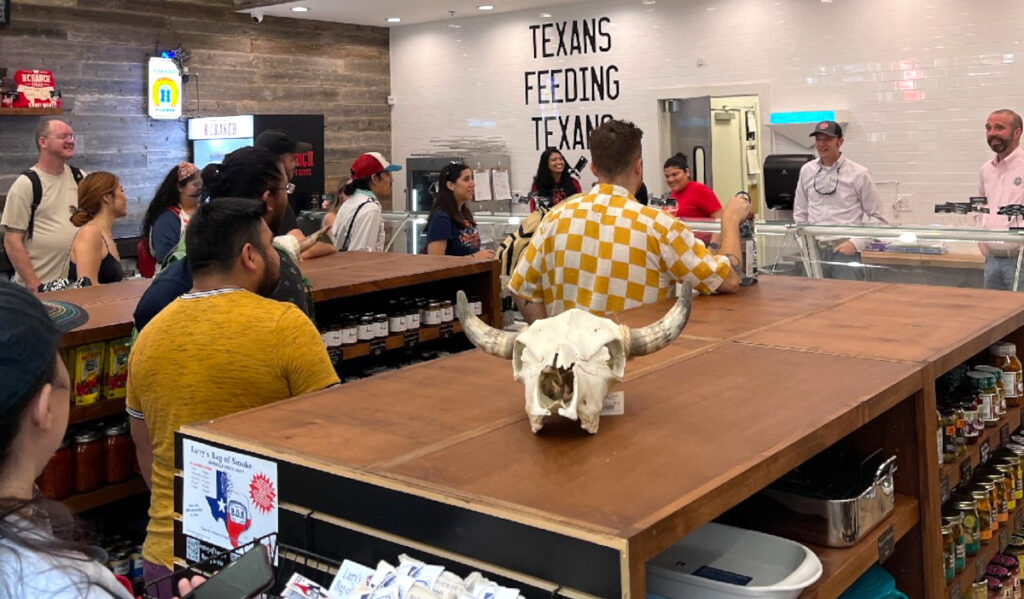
[(30, 111), (400, 340), (991, 439), (772, 375), (103, 408), (83, 502)]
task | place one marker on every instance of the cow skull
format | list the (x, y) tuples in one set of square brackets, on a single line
[(567, 362)]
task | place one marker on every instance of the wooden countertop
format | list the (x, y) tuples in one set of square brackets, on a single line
[(751, 371), (111, 306), (952, 260)]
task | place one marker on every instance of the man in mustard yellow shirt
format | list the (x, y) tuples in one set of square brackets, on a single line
[(605, 252), (220, 349)]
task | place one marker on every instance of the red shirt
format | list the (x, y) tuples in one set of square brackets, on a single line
[(696, 200)]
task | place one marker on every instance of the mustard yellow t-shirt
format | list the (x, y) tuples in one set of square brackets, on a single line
[(207, 355)]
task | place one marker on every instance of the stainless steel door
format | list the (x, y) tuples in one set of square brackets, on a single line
[(690, 133)]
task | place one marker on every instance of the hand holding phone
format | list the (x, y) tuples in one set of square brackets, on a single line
[(244, 578)]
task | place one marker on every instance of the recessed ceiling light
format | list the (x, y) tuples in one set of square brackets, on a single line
[(648, 2), (545, 15), (485, 7), (394, 20), (299, 9)]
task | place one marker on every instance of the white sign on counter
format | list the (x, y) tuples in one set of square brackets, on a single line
[(229, 498)]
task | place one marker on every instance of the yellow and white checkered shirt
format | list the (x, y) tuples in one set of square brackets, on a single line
[(605, 252)]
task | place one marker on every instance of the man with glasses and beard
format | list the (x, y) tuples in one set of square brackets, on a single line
[(1002, 182), (835, 190), (222, 348)]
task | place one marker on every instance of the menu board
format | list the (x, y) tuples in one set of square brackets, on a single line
[(5, 12)]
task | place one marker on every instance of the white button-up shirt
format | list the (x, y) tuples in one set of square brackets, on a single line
[(853, 201), (1002, 182)]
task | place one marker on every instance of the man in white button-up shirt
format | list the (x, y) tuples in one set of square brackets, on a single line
[(1002, 182), (835, 190)]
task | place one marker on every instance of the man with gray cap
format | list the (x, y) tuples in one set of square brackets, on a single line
[(835, 190)]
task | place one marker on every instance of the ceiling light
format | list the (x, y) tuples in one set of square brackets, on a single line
[(545, 15), (485, 7), (648, 2), (299, 9), (394, 20)]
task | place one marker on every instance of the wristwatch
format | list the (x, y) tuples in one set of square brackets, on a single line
[(743, 194)]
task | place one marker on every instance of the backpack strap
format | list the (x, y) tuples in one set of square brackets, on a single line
[(351, 223), (37, 194)]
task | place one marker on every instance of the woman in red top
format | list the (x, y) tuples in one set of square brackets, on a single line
[(693, 199), (551, 180)]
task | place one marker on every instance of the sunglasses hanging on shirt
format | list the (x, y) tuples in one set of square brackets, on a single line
[(826, 185)]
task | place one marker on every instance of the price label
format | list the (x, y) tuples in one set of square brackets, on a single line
[(447, 330), (983, 450), (886, 544), (979, 568), (1004, 434), (378, 346), (944, 489), (965, 470), (411, 338)]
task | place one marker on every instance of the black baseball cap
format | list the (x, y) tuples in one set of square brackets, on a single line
[(829, 128), (30, 332), (279, 142)]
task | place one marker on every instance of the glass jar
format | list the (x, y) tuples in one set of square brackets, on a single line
[(55, 480), (1004, 356), (947, 420), (365, 330), (938, 437), (984, 385), (476, 305), (447, 311), (983, 503), (972, 423), (1000, 405), (1007, 457), (960, 422), (396, 322), (968, 511), (87, 461), (349, 331), (956, 526), (412, 318), (1009, 472), (1000, 501), (1004, 577), (117, 454), (381, 328), (432, 315), (994, 499), (995, 588), (948, 560), (979, 590)]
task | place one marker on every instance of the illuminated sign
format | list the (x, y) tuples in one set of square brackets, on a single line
[(165, 97), (221, 127), (804, 116)]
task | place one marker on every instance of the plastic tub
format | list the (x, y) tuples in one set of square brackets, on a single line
[(718, 562)]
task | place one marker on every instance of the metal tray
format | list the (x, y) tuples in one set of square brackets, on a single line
[(840, 522)]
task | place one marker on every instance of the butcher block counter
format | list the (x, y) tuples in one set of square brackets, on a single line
[(438, 459)]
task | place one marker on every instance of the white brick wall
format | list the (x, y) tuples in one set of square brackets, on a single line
[(927, 133)]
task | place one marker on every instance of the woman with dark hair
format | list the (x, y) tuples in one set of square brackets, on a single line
[(551, 180), (94, 254), (42, 551), (451, 230), (358, 224), (693, 199), (168, 213)]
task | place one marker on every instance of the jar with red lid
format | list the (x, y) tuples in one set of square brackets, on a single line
[(117, 445), (87, 453), (55, 480)]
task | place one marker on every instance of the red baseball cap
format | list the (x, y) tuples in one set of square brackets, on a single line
[(371, 163)]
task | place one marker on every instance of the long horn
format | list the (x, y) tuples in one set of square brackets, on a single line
[(493, 341), (653, 337)]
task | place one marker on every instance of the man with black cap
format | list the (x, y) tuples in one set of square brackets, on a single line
[(835, 190), (288, 149)]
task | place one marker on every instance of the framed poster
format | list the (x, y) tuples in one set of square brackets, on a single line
[(5, 12)]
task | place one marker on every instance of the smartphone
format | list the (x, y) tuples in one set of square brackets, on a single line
[(246, 577)]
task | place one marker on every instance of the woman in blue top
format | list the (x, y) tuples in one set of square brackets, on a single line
[(451, 230), (168, 213)]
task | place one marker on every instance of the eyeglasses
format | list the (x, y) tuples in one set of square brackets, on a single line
[(822, 183), (64, 136)]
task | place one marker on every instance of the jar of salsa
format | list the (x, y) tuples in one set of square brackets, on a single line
[(87, 459), (55, 481), (117, 453), (1004, 356)]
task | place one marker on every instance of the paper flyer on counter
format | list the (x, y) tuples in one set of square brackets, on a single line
[(229, 498)]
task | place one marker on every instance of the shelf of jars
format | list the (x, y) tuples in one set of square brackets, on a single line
[(992, 558)]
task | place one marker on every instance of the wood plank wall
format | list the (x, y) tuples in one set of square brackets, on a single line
[(98, 50)]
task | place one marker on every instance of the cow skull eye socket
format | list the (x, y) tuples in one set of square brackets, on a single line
[(557, 384)]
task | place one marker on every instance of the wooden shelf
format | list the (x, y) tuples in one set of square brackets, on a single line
[(842, 566), (100, 409), (104, 495), (397, 340), (950, 475), (30, 111)]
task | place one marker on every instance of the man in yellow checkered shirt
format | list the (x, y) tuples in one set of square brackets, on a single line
[(604, 251)]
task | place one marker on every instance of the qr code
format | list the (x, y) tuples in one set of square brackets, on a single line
[(193, 548)]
